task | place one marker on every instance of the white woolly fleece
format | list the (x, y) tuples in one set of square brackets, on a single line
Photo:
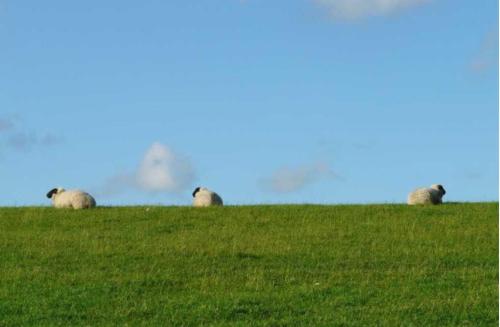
[(431, 195), (75, 199), (205, 198)]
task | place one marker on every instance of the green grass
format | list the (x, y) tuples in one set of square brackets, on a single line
[(250, 266)]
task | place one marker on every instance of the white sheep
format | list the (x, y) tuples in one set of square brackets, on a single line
[(75, 199), (432, 195), (203, 197)]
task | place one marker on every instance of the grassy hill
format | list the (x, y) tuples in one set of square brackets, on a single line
[(300, 265)]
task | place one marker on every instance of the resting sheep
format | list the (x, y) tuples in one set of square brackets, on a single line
[(432, 195), (203, 197), (75, 199)]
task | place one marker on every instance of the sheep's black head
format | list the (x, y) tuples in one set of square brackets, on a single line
[(196, 190), (51, 193), (441, 188)]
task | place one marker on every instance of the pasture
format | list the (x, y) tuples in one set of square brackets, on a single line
[(279, 265)]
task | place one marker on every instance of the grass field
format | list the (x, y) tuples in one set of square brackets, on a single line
[(298, 265)]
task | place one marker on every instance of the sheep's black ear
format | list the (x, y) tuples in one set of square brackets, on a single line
[(51, 192), (196, 190)]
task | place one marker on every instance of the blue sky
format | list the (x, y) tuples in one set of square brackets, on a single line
[(311, 101)]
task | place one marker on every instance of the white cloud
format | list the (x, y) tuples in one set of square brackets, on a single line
[(163, 170), (355, 9), (160, 170), (287, 180)]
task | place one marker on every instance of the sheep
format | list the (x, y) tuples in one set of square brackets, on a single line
[(203, 197), (432, 195), (75, 199)]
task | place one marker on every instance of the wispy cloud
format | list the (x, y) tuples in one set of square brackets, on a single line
[(6, 124), (287, 180), (116, 184), (486, 56), (160, 170), (25, 141), (357, 9), (14, 136)]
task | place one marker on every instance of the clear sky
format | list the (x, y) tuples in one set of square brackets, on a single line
[(307, 101)]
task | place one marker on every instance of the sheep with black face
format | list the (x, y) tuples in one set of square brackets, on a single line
[(431, 195), (203, 197), (75, 199)]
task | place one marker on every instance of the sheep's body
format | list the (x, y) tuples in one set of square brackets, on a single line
[(75, 199), (431, 195), (203, 197)]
